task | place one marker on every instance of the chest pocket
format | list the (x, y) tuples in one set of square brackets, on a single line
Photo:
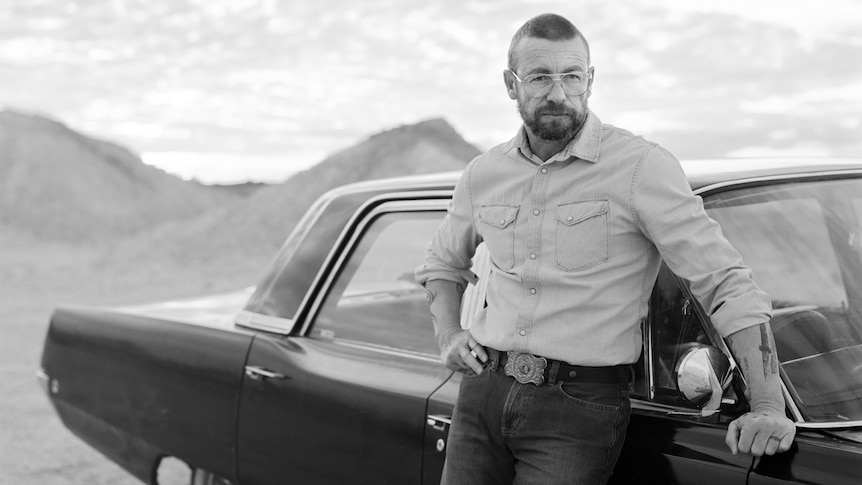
[(498, 230), (582, 234)]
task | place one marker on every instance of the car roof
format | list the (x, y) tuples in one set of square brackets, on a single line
[(703, 173), (700, 173)]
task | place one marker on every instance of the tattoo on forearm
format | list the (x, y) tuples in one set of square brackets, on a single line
[(770, 363)]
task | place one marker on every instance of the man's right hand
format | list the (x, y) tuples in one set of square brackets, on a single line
[(459, 351)]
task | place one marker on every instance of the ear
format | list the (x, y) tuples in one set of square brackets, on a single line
[(509, 81), (592, 78)]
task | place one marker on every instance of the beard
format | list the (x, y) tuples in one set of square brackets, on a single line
[(565, 126)]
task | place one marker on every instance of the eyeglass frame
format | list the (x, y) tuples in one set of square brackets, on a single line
[(556, 77)]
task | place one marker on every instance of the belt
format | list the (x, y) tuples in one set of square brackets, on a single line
[(532, 369)]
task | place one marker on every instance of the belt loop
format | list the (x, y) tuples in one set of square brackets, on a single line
[(552, 374)]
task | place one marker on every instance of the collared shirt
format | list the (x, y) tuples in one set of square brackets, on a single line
[(576, 243)]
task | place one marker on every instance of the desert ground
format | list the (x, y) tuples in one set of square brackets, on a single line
[(35, 277)]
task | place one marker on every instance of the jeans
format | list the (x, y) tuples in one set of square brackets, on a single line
[(504, 432)]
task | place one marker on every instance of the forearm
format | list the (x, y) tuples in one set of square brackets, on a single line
[(444, 302), (754, 348)]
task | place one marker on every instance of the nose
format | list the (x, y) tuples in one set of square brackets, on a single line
[(557, 94)]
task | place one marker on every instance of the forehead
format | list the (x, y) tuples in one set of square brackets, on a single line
[(542, 55)]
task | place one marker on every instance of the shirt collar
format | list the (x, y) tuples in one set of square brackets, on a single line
[(586, 146)]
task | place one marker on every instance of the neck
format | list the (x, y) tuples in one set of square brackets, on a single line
[(545, 149)]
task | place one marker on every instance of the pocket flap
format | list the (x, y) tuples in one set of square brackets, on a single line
[(576, 212), (498, 216)]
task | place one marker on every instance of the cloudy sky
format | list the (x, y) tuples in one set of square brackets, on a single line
[(225, 90)]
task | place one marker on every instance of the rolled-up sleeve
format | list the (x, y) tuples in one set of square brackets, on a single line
[(693, 246), (450, 254)]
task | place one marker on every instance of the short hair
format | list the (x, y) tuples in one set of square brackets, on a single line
[(547, 26)]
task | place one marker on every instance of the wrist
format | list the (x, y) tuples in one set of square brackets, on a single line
[(444, 336)]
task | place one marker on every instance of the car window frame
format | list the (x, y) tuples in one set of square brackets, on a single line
[(751, 182), (342, 258), (298, 323)]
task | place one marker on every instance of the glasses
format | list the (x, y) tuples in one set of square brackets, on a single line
[(538, 85)]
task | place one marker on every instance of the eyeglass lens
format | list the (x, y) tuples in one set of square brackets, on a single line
[(539, 85)]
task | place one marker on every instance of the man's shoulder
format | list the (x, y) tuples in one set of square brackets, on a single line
[(621, 135), (622, 141)]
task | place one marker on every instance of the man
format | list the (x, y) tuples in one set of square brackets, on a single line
[(576, 215)]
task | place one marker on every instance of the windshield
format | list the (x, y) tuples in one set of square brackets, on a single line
[(803, 240)]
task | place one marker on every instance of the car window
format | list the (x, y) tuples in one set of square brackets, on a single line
[(374, 298), (803, 242), (781, 236)]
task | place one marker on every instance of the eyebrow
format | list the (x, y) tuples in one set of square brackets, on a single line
[(544, 70)]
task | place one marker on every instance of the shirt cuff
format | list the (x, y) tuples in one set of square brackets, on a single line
[(743, 311)]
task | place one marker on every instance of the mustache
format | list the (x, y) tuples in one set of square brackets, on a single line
[(555, 112)]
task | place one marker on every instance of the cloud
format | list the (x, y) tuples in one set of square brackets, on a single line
[(261, 77)]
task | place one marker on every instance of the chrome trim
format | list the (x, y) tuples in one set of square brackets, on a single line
[(769, 178), (393, 351), (268, 323), (646, 335), (665, 409), (389, 203), (43, 379), (829, 425), (791, 403), (438, 421), (259, 373)]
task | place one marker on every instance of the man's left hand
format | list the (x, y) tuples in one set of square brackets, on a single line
[(760, 433)]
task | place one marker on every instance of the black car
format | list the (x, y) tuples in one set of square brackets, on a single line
[(330, 372)]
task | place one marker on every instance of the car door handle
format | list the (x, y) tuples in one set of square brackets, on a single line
[(439, 421), (259, 373)]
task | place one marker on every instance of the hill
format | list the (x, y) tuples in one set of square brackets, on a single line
[(58, 184), (247, 235)]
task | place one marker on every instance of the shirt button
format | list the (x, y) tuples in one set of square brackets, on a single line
[(532, 291), (536, 212), (544, 170), (532, 255), (570, 218), (523, 332)]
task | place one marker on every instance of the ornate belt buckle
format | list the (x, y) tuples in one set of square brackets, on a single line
[(526, 368)]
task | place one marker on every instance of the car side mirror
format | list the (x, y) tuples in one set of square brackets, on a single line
[(702, 375)]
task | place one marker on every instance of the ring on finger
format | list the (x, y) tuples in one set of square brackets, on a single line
[(474, 354), (776, 438)]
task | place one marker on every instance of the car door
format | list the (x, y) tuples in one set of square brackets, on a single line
[(668, 441), (344, 401)]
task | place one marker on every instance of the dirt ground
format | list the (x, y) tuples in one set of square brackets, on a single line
[(35, 448)]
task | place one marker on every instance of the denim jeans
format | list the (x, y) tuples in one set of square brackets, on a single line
[(504, 432)]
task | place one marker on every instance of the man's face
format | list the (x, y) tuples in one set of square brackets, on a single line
[(556, 116)]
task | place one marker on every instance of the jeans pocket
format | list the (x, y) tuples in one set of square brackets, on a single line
[(599, 396), (582, 234), (498, 231)]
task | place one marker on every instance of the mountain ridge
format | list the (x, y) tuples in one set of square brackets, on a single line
[(70, 188), (57, 183)]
